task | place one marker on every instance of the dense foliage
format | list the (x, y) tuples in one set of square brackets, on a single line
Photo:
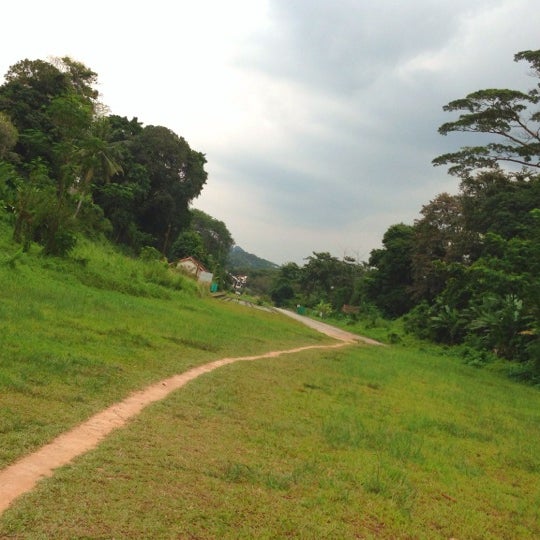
[(324, 282), (467, 271), (66, 166), (476, 255)]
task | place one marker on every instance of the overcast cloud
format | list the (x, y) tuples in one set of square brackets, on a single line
[(318, 117)]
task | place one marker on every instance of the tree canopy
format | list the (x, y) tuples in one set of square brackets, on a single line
[(509, 116), (73, 168), (476, 276)]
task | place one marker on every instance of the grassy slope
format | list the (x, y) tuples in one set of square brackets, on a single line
[(384, 443), (72, 342)]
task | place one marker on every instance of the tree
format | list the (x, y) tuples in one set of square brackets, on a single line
[(216, 238), (390, 278), (281, 293), (82, 79), (29, 88), (290, 272), (47, 102), (508, 115), (285, 285), (95, 156), (176, 174), (39, 214), (495, 202), (71, 118), (51, 122), (52, 105), (8, 135), (189, 244), (440, 238), (327, 279), (125, 194)]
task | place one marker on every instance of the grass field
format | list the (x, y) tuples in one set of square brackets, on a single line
[(77, 335), (361, 442), (358, 443)]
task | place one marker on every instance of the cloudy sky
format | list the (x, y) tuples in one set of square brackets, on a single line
[(318, 117)]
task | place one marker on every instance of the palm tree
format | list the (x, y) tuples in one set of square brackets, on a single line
[(95, 156)]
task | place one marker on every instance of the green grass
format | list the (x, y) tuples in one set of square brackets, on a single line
[(76, 336), (356, 443), (361, 442), (383, 330)]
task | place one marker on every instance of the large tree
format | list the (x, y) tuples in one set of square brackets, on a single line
[(176, 174), (509, 117), (122, 198), (52, 105), (500, 203), (49, 103), (440, 238), (216, 238), (327, 279), (96, 157), (390, 277)]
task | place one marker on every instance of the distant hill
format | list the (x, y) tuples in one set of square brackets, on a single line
[(238, 258)]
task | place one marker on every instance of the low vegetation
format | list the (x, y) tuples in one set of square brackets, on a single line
[(79, 333), (358, 443)]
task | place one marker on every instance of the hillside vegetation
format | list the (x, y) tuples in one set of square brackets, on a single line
[(242, 260), (79, 333)]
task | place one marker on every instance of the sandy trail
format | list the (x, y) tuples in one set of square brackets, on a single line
[(327, 329), (23, 475)]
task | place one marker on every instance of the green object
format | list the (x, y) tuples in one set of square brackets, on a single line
[(301, 310), (214, 287)]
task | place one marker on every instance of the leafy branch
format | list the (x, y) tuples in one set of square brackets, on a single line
[(503, 113)]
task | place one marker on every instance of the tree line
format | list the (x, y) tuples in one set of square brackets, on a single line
[(467, 270), (67, 167)]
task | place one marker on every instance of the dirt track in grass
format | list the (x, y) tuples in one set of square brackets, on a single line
[(24, 474)]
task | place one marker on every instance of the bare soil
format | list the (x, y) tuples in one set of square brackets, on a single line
[(24, 474)]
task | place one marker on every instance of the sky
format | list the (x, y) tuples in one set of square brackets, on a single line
[(318, 118)]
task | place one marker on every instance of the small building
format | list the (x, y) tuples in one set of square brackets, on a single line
[(195, 267)]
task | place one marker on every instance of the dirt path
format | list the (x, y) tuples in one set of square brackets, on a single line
[(327, 329), (23, 475)]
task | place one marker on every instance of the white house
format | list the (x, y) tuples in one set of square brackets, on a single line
[(192, 266)]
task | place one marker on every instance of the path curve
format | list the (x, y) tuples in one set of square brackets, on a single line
[(22, 476)]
